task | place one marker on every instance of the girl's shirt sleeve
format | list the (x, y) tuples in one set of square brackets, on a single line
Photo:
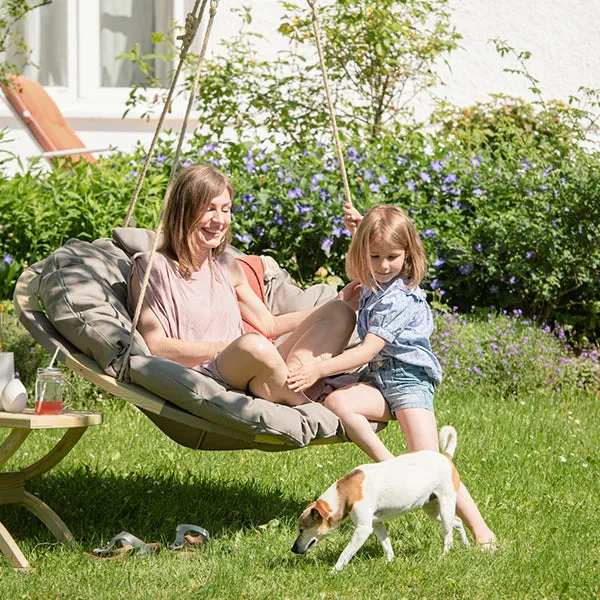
[(392, 314)]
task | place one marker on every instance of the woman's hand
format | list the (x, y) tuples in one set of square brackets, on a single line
[(352, 218), (350, 294)]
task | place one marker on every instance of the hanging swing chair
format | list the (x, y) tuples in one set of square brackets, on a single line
[(74, 303)]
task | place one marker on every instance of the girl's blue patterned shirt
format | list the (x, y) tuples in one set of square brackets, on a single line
[(402, 317)]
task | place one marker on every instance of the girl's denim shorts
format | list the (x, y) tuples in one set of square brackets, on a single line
[(402, 385)]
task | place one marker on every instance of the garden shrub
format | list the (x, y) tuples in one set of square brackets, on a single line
[(509, 354), (510, 231)]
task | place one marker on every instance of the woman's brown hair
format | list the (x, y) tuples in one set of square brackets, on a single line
[(391, 225), (188, 199)]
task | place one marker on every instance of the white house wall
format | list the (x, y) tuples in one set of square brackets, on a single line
[(562, 36)]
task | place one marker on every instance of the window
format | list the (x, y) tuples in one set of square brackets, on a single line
[(74, 44)]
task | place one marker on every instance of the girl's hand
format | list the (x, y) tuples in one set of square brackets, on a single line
[(303, 377), (350, 294), (352, 218)]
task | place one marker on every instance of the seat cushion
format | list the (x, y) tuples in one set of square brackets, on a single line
[(83, 290)]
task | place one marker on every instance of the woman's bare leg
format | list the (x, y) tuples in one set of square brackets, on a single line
[(253, 362), (356, 405), (420, 430), (325, 331)]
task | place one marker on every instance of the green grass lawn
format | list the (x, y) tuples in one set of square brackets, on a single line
[(531, 462)]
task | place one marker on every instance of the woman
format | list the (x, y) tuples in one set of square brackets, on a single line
[(197, 296)]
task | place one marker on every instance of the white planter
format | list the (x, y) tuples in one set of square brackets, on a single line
[(7, 368)]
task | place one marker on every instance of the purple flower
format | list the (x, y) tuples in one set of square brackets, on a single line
[(530, 254), (247, 198), (162, 158), (451, 178), (411, 185), (352, 154), (302, 209), (186, 163), (465, 269), (382, 179), (244, 238), (368, 175), (475, 161), (436, 166), (314, 179), (478, 192), (209, 147), (429, 233), (326, 243), (425, 176), (278, 219), (294, 193), (306, 224), (438, 262), (400, 160), (337, 231), (374, 187), (478, 247), (436, 284), (8, 259), (526, 164)]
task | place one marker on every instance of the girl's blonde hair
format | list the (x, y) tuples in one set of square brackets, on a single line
[(391, 225), (188, 200)]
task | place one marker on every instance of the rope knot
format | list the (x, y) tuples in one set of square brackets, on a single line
[(190, 30)]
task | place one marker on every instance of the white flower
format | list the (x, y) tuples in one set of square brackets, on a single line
[(563, 459)]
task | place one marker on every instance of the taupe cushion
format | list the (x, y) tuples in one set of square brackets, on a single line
[(83, 288)]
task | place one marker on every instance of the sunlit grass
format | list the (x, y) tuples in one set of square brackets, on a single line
[(529, 458)]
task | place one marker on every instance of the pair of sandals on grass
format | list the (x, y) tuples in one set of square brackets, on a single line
[(188, 538)]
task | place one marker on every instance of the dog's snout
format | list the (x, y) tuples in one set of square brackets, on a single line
[(302, 546)]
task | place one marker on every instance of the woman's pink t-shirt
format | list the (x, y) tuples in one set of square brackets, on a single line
[(203, 308)]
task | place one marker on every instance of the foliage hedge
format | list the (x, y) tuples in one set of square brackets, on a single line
[(506, 221)]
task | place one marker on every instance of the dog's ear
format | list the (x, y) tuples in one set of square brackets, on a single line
[(321, 508)]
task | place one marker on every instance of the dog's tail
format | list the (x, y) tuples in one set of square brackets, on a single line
[(448, 439)]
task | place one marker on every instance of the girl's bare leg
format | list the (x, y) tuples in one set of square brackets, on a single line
[(420, 429), (325, 331), (356, 405), (252, 362)]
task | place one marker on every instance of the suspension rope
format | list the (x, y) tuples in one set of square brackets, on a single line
[(336, 135), (123, 373), (192, 22)]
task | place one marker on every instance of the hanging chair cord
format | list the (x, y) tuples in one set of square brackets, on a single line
[(192, 21), (336, 135), (188, 38)]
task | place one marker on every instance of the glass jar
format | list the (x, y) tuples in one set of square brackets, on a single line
[(52, 393)]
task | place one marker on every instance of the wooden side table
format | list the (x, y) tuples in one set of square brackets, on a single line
[(12, 485)]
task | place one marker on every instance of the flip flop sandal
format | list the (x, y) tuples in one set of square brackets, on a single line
[(184, 541), (129, 544)]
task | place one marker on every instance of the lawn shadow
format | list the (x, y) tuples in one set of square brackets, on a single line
[(97, 506)]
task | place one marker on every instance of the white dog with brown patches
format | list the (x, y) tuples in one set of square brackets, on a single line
[(375, 493)]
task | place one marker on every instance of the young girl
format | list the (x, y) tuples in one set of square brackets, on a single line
[(394, 320), (394, 324)]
